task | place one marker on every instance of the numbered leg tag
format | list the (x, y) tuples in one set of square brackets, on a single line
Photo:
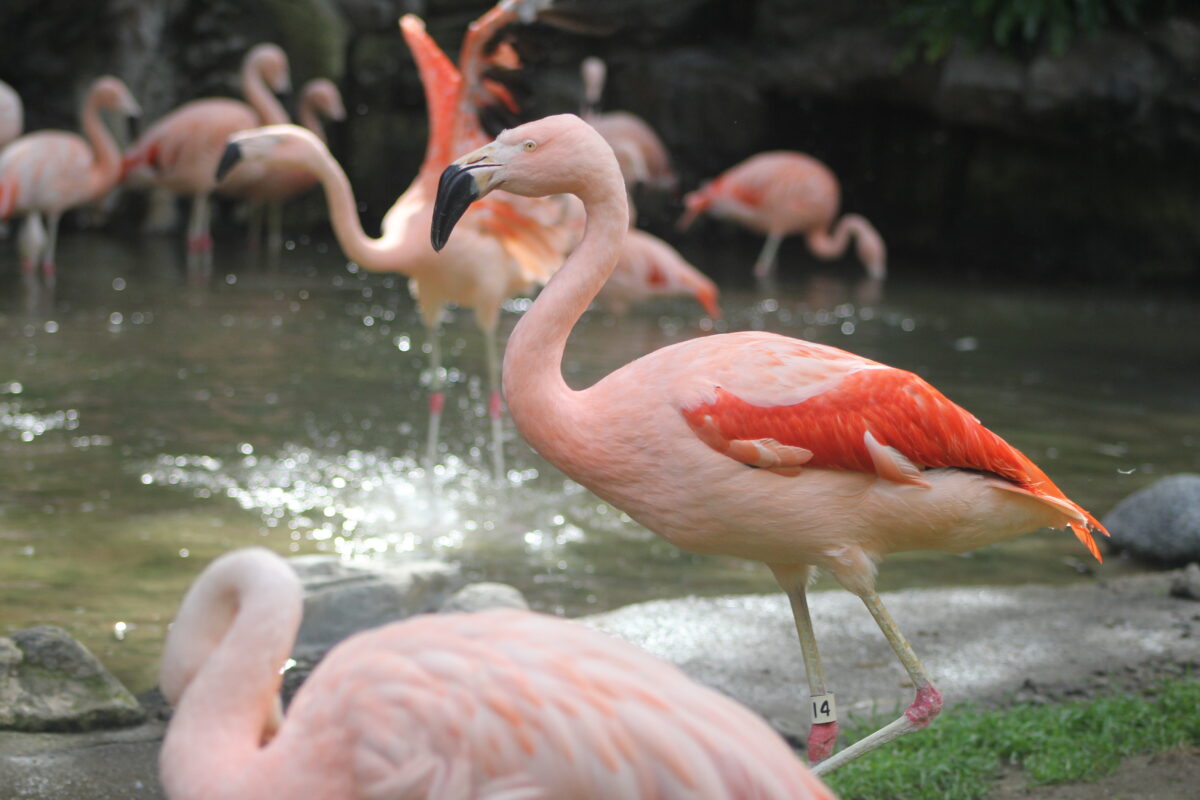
[(824, 709)]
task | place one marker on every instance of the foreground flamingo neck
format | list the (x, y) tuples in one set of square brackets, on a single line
[(258, 95), (542, 404), (106, 167), (226, 710)]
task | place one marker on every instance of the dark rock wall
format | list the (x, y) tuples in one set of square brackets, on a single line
[(1083, 166)]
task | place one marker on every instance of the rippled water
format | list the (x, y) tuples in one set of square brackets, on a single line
[(148, 423)]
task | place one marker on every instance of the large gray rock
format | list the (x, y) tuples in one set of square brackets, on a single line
[(1159, 524), (50, 682), (341, 599), (484, 595)]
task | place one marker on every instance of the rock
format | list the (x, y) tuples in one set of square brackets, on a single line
[(100, 765), (1186, 585), (50, 682), (341, 599), (480, 596), (1160, 524)]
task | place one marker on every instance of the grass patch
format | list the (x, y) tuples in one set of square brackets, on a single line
[(962, 752)]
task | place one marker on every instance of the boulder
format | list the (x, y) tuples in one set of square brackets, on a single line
[(1160, 524), (480, 596), (50, 682)]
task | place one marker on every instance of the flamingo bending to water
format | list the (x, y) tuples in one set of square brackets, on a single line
[(504, 252), (183, 148), (498, 704), (49, 172), (649, 267), (751, 444), (783, 193)]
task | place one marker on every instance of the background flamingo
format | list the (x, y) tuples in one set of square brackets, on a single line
[(183, 148), (751, 444), (11, 114), (497, 704), (270, 187), (48, 172), (503, 252), (783, 193), (649, 267)]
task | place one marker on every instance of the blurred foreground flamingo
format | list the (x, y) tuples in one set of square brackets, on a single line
[(49, 172), (504, 252), (649, 267), (11, 114), (183, 148), (751, 444), (783, 193), (497, 704), (270, 187)]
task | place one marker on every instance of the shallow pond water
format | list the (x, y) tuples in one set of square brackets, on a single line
[(148, 423)]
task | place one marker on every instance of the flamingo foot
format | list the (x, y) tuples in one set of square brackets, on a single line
[(821, 739), (437, 401), (926, 706)]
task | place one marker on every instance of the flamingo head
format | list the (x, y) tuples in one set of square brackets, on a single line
[(282, 145), (269, 61), (324, 96), (695, 203), (561, 154), (593, 71), (112, 94)]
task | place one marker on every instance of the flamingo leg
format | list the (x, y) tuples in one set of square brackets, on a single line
[(437, 398), (822, 735), (495, 403), (926, 705), (274, 228), (254, 228), (31, 240), (48, 269), (765, 264), (197, 228)]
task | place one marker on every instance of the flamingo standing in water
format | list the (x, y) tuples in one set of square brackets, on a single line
[(649, 267), (497, 704), (49, 172), (751, 444), (504, 250), (319, 99), (783, 193), (183, 148)]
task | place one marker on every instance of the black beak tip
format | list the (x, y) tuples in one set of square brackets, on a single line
[(229, 159), (456, 192)]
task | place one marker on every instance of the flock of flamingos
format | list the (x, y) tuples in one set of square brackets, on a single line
[(755, 445)]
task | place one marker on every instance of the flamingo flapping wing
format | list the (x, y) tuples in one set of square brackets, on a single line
[(850, 413)]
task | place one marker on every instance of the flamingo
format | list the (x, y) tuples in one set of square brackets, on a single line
[(649, 267), (184, 147), (319, 99), (640, 152), (49, 172), (497, 704), (751, 444), (782, 193), (502, 254), (11, 114)]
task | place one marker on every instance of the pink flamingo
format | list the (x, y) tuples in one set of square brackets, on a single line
[(184, 147), (641, 154), (751, 444), (49, 172), (649, 267), (497, 704), (271, 187), (783, 193), (11, 114), (503, 253)]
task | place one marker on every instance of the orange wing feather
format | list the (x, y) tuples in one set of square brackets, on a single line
[(900, 411)]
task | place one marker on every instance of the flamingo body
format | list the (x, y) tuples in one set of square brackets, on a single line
[(649, 267), (497, 704), (11, 114), (751, 444), (783, 193)]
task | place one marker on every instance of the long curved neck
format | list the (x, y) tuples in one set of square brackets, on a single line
[(106, 166), (258, 95), (376, 255), (539, 399), (830, 245), (308, 117), (228, 708)]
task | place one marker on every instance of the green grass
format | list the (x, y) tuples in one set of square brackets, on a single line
[(963, 751)]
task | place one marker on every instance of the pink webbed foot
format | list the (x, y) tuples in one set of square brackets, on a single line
[(821, 740), (925, 707)]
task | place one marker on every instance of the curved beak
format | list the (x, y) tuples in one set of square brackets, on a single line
[(462, 183), (229, 160)]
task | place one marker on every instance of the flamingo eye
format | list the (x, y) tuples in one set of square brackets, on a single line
[(529, 145)]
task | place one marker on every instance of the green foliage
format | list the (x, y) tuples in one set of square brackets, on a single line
[(1012, 24), (964, 749)]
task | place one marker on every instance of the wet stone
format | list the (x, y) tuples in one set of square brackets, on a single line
[(484, 595), (1186, 585), (1160, 524)]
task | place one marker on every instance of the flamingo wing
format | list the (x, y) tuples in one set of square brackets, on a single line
[(850, 413)]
